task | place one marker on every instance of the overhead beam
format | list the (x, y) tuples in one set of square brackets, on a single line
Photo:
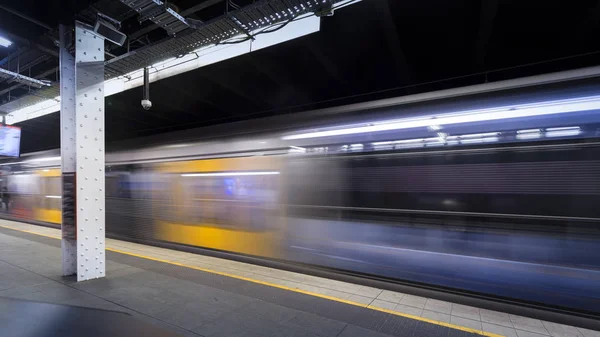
[(489, 9)]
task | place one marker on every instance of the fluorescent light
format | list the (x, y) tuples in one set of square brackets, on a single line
[(529, 134), (408, 143), (478, 135), (53, 196), (484, 115), (479, 140), (437, 141), (5, 42), (382, 143), (475, 138), (565, 128), (563, 131), (356, 147), (529, 131), (231, 174)]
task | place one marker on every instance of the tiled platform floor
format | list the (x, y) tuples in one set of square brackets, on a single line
[(192, 302)]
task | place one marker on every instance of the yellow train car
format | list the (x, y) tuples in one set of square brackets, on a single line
[(227, 204), (47, 203)]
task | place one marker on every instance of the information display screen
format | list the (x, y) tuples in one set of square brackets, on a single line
[(10, 140)]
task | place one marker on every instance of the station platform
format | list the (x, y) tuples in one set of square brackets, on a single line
[(187, 294)]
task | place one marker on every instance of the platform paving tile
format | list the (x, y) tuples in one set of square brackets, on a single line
[(361, 299), (499, 329), (266, 319), (190, 318), (465, 311), (436, 316), (390, 296), (522, 333), (495, 317), (438, 306), (413, 301), (405, 309), (383, 304), (337, 294), (402, 326), (356, 331), (312, 289), (528, 324), (469, 323), (589, 333), (560, 330), (369, 291)]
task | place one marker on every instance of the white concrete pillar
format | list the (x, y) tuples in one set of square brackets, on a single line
[(82, 152)]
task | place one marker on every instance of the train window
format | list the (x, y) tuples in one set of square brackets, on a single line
[(237, 202)]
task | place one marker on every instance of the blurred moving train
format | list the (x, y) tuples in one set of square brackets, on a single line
[(498, 201)]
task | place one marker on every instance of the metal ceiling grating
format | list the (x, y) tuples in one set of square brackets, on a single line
[(241, 22), (160, 13)]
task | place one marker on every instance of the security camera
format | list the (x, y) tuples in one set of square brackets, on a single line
[(146, 104)]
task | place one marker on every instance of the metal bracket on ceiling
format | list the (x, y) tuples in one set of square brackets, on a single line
[(160, 13)]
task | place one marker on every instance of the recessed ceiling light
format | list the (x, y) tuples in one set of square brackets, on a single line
[(5, 42)]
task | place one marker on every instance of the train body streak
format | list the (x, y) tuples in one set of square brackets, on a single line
[(491, 213)]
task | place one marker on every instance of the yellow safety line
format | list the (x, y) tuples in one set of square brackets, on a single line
[(31, 232), (274, 285)]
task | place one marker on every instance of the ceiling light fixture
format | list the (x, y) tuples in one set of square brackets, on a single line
[(5, 42)]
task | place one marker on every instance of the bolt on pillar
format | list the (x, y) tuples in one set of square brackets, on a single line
[(82, 152)]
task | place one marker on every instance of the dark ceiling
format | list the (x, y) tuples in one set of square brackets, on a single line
[(369, 50)]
